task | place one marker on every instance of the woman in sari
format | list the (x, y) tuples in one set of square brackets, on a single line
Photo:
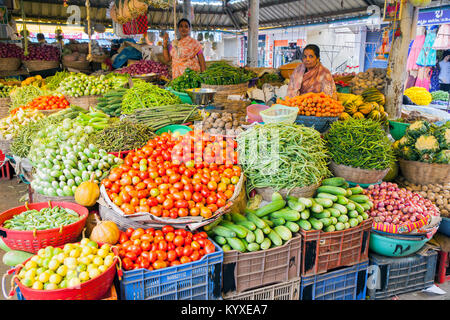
[(311, 75), (186, 54)]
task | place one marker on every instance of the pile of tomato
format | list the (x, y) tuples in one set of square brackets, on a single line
[(156, 249), (150, 180), (49, 102)]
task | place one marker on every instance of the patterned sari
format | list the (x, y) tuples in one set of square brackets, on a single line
[(185, 56), (317, 79)]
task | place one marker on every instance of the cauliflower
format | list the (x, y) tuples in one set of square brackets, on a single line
[(406, 140), (443, 136), (427, 144), (443, 157), (408, 153), (417, 128)]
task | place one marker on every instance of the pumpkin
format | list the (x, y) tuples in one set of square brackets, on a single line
[(87, 193), (351, 108), (358, 115), (365, 108), (344, 116), (375, 115), (105, 232)]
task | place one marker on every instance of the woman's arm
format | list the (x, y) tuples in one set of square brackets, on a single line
[(166, 54), (201, 60)]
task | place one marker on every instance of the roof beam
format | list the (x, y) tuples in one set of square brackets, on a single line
[(232, 17), (311, 19), (267, 4)]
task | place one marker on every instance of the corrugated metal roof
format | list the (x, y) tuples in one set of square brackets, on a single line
[(226, 14)]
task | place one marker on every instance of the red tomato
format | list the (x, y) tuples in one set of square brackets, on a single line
[(170, 246), (150, 231), (185, 259), (209, 248), (145, 263), (179, 251), (146, 255), (197, 197), (129, 232), (178, 241), (146, 245), (211, 199), (162, 255), (195, 245), (168, 204), (158, 264), (123, 237), (147, 237), (170, 236), (152, 256), (127, 264), (187, 250), (135, 249), (167, 229), (195, 255), (137, 233), (156, 211), (131, 255), (162, 245)]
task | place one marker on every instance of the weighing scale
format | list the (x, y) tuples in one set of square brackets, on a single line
[(203, 97)]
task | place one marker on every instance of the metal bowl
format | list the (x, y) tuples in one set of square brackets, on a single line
[(201, 96)]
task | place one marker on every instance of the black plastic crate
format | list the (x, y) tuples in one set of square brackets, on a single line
[(392, 276)]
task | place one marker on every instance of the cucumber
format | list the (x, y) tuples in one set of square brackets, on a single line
[(342, 200), (359, 198), (220, 240), (278, 221), (269, 222), (250, 237), (241, 232), (255, 219), (304, 224), (296, 205), (294, 227), (259, 236), (316, 224), (276, 196), (317, 208), (339, 226), (326, 222), (340, 207), (247, 224), (305, 214), (358, 207), (357, 190), (307, 202), (283, 232), (275, 238), (360, 218), (236, 244), (365, 215), (337, 191), (334, 212), (365, 206), (353, 222), (326, 203), (287, 214), (3, 245), (253, 247), (269, 208), (350, 206), (245, 243), (324, 214), (14, 257), (335, 182), (237, 217), (330, 228), (327, 196), (224, 232), (348, 193), (265, 244), (353, 214), (345, 185), (334, 220), (209, 227), (227, 217), (266, 230), (343, 218), (346, 225)]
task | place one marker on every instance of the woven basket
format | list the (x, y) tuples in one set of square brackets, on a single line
[(49, 112), (305, 192), (5, 146), (99, 58), (4, 107), (36, 65), (10, 64), (80, 65), (287, 69), (357, 175), (84, 102), (37, 197), (425, 173), (222, 92)]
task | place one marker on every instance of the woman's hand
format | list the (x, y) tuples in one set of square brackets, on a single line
[(165, 39)]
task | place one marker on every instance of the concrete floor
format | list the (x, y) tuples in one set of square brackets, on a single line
[(11, 192)]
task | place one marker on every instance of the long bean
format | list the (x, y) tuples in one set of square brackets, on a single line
[(359, 143)]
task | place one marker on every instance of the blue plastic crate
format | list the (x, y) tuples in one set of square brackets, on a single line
[(348, 283), (198, 280), (390, 276)]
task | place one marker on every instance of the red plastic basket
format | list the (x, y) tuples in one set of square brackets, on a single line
[(32, 241), (94, 289)]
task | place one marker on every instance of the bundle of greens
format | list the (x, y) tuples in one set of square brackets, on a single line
[(145, 95), (220, 73), (122, 135), (359, 143), (282, 156), (190, 79)]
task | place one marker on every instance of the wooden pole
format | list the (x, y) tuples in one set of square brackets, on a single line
[(253, 28), (396, 71)]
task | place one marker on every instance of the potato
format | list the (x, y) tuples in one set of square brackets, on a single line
[(424, 188)]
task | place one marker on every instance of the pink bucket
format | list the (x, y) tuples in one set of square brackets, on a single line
[(253, 111)]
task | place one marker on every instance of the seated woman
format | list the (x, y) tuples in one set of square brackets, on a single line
[(311, 75), (187, 54)]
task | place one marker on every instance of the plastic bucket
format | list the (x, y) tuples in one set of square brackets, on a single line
[(397, 129), (173, 128), (253, 111), (444, 227), (391, 246)]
